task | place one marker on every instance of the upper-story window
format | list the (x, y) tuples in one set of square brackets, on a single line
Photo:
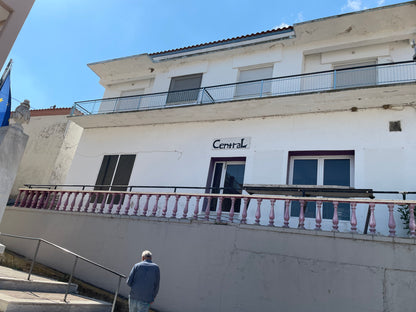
[(184, 89), (257, 88), (129, 103), (355, 77)]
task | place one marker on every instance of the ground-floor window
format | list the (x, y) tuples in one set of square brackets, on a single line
[(321, 168), (115, 172), (226, 176)]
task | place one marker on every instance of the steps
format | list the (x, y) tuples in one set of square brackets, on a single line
[(17, 294)]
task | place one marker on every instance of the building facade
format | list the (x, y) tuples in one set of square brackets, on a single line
[(328, 103)]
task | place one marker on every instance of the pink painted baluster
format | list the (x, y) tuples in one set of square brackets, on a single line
[(136, 206), (165, 207), (73, 201), (87, 202), (271, 214), (45, 200), (318, 218), (127, 208), (40, 200), (372, 222), (102, 206), (244, 213), (286, 215), (258, 213), (23, 202), (35, 199), (196, 210), (110, 207), (81, 201), (208, 208), (392, 223), (66, 201), (120, 202), (58, 205), (175, 207), (28, 202), (353, 218), (17, 199), (51, 200), (232, 210), (146, 205), (94, 205), (335, 220), (186, 208), (412, 225), (156, 206), (219, 209), (301, 224)]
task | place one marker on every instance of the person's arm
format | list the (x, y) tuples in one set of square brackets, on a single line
[(157, 282), (130, 279)]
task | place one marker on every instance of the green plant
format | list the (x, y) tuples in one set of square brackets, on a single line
[(405, 216)]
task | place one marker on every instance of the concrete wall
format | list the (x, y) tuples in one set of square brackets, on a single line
[(179, 154), (52, 143), (208, 267)]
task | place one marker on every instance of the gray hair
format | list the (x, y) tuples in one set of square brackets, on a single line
[(146, 254)]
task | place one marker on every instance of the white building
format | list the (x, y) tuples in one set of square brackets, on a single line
[(303, 121)]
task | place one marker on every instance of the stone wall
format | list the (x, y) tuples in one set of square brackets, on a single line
[(213, 267)]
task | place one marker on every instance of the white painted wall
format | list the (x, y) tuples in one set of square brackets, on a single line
[(227, 268), (179, 154), (51, 146)]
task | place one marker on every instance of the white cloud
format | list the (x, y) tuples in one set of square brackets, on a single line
[(299, 18), (282, 25), (354, 5), (380, 2)]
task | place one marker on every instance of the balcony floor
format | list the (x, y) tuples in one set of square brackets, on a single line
[(317, 102)]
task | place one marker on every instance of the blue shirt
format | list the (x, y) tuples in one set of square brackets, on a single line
[(144, 281)]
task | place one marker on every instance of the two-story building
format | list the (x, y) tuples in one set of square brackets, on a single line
[(328, 102)]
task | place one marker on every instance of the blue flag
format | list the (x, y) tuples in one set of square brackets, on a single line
[(5, 102)]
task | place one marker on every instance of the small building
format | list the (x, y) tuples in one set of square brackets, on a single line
[(53, 140)]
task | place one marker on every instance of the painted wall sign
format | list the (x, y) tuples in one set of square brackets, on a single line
[(231, 143)]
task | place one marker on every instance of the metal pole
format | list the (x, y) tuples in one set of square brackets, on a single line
[(116, 294), (70, 278), (33, 261)]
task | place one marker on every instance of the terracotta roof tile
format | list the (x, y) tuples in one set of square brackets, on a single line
[(224, 41), (50, 111)]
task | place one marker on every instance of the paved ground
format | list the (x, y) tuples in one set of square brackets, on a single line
[(36, 297)]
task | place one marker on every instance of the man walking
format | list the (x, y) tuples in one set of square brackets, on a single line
[(144, 282)]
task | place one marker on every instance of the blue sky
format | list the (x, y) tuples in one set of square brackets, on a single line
[(60, 37)]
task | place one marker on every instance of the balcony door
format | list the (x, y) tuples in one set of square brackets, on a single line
[(227, 178)]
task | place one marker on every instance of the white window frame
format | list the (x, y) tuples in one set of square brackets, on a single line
[(320, 169)]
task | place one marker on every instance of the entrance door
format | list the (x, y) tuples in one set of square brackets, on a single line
[(227, 178)]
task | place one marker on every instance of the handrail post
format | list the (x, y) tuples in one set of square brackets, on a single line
[(335, 79), (261, 88), (33, 261), (116, 294), (202, 96), (70, 278)]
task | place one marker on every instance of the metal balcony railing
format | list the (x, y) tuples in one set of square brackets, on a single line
[(346, 78)]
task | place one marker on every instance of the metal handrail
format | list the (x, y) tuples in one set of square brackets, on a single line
[(209, 89), (77, 256)]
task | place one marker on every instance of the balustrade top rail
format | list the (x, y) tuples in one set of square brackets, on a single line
[(369, 75), (223, 206)]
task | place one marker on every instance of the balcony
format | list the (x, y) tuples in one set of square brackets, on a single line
[(332, 90)]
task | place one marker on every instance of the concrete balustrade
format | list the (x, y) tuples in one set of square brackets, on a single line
[(197, 207)]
